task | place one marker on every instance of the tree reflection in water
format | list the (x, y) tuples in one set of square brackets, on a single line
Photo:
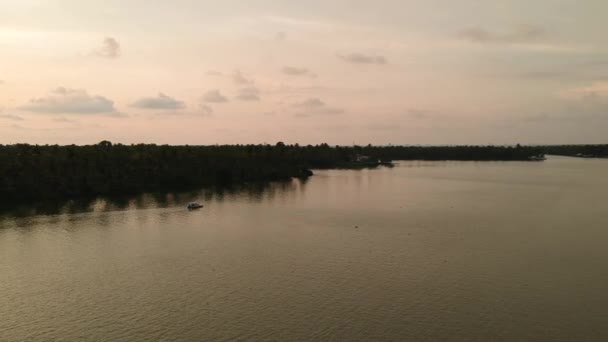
[(257, 192)]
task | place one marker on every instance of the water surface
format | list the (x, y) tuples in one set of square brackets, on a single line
[(455, 251)]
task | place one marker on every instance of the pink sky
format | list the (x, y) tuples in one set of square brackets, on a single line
[(342, 72)]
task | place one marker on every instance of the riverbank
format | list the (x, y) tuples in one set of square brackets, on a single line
[(33, 172), (578, 151)]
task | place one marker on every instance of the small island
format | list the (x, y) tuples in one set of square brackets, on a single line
[(35, 172)]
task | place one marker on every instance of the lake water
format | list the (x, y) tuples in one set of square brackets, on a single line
[(425, 251)]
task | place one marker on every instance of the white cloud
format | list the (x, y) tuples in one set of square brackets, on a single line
[(359, 58), (205, 110), (314, 102), (249, 94), (161, 101), (71, 101), (63, 119), (11, 117), (110, 48), (295, 71), (239, 78), (281, 36), (214, 96), (314, 106)]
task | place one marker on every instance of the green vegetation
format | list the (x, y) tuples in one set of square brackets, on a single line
[(479, 153), (41, 172)]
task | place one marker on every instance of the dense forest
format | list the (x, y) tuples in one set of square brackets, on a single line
[(40, 172), (479, 153)]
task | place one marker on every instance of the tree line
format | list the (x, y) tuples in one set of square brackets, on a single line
[(51, 171)]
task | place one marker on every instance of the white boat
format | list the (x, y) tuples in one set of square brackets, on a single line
[(194, 205)]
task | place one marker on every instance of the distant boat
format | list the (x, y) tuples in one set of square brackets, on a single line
[(538, 158), (387, 163), (194, 205), (359, 161)]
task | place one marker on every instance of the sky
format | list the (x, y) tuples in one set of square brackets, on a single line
[(412, 72)]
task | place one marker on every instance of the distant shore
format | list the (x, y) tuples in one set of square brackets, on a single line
[(578, 151), (36, 172)]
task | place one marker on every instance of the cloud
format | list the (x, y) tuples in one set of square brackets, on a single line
[(214, 96), (110, 48), (314, 106), (249, 94), (280, 36), (205, 110), (239, 78), (310, 103), (418, 113), (591, 91), (11, 117), (522, 34), (358, 58), (71, 101), (295, 71), (63, 119), (214, 73), (162, 102)]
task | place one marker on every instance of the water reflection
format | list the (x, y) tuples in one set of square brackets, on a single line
[(258, 192), (431, 250)]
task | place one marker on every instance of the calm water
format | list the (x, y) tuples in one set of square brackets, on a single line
[(433, 251)]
